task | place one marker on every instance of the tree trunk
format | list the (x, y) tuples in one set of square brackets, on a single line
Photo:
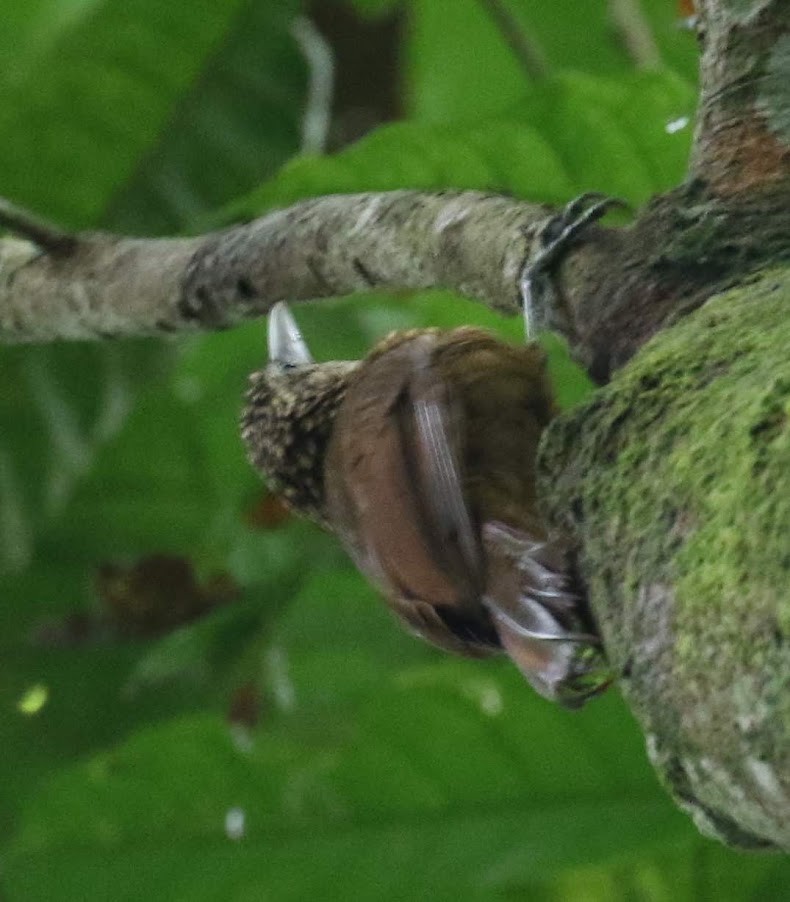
[(673, 481)]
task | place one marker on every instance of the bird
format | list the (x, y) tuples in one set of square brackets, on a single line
[(421, 459)]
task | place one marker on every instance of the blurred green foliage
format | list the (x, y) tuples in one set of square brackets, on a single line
[(292, 743)]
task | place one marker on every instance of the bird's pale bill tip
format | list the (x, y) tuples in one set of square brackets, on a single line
[(286, 345)]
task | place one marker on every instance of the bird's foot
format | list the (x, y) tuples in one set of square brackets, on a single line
[(538, 295)]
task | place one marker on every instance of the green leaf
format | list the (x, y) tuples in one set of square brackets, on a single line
[(123, 79), (691, 871), (571, 134), (377, 749), (236, 124), (212, 652), (59, 406), (152, 103), (430, 787), (459, 66), (374, 7)]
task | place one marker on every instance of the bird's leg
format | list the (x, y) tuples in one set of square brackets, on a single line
[(538, 293)]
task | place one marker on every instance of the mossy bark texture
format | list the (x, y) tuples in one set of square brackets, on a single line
[(674, 481)]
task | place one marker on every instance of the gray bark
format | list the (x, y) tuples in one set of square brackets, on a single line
[(93, 285)]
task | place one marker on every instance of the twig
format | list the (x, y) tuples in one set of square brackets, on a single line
[(635, 32), (43, 234), (321, 69), (526, 51), (112, 286)]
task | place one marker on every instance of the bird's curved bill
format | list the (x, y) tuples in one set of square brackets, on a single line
[(286, 345)]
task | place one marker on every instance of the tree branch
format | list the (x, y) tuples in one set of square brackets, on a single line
[(616, 289), (100, 285), (47, 236)]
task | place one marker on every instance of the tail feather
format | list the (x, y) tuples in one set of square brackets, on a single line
[(541, 622)]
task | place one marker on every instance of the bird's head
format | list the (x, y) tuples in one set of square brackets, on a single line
[(290, 411)]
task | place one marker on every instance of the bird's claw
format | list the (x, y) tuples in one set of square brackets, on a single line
[(554, 239)]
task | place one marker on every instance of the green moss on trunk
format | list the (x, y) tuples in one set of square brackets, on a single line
[(674, 482)]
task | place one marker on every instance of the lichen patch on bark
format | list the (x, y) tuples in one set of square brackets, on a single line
[(667, 479)]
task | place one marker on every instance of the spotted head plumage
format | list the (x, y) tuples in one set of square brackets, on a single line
[(288, 417)]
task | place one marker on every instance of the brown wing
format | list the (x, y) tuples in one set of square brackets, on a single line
[(394, 495), (435, 440)]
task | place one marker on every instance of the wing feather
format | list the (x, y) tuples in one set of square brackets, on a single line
[(395, 495)]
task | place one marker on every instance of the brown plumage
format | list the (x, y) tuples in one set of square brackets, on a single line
[(421, 458)]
